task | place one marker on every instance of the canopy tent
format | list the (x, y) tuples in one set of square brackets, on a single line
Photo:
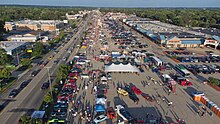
[(38, 114), (121, 68), (100, 101), (99, 108)]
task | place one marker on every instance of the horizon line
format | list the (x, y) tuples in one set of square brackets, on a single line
[(84, 6)]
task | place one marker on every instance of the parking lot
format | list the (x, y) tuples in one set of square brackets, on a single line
[(146, 96)]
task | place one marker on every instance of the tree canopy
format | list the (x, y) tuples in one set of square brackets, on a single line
[(12, 13), (48, 98), (5, 73), (4, 58), (38, 49), (25, 62), (181, 17), (62, 71)]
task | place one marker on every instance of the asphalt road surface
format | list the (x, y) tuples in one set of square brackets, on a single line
[(31, 97)]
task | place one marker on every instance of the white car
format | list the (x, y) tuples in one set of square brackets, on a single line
[(100, 118), (197, 93)]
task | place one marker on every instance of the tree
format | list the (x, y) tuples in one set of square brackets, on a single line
[(38, 49), (26, 62), (48, 98), (5, 73), (62, 71), (2, 29), (25, 119), (4, 57)]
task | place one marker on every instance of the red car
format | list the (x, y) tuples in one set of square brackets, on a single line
[(147, 97), (110, 113), (136, 90), (71, 80), (64, 96), (162, 68)]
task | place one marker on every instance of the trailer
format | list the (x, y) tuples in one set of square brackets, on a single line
[(157, 61)]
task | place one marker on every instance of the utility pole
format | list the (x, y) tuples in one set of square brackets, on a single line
[(17, 57), (48, 70)]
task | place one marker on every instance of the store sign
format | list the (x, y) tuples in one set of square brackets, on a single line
[(173, 42), (212, 41)]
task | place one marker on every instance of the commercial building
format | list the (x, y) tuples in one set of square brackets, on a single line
[(13, 48), (45, 25), (80, 14), (171, 35), (26, 35), (212, 41)]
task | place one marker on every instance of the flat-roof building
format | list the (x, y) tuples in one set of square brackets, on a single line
[(13, 48), (45, 25), (169, 35)]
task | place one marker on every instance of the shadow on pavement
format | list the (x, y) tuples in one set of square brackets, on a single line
[(189, 90), (118, 101), (28, 111)]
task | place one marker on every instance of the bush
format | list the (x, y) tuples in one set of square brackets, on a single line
[(214, 81)]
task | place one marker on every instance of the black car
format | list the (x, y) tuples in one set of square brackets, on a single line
[(126, 114), (133, 97), (1, 107), (34, 73), (13, 93), (45, 85), (56, 61), (25, 83)]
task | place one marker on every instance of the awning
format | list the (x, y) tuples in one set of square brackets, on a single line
[(99, 108), (121, 68)]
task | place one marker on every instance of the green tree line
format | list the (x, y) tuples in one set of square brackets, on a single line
[(182, 17), (12, 13)]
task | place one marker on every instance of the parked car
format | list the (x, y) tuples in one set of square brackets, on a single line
[(147, 97), (110, 113), (136, 90), (45, 85), (122, 92), (197, 93), (100, 118), (13, 93), (125, 115)]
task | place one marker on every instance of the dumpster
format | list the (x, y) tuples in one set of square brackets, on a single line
[(197, 97), (206, 100), (211, 106), (218, 112), (215, 109)]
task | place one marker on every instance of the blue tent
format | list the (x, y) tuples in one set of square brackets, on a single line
[(100, 108)]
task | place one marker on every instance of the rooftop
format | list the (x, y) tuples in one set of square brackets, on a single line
[(10, 45), (50, 22)]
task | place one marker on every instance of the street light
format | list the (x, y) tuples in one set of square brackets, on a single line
[(48, 70)]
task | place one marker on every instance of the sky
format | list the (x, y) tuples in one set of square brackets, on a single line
[(118, 3)]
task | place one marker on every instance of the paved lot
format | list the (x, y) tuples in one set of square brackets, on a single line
[(183, 106)]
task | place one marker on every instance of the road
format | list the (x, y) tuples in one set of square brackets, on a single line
[(31, 97)]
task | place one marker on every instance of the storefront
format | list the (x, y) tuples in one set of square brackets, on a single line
[(213, 41)]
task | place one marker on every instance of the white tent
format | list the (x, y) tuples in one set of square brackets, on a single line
[(121, 68), (100, 101)]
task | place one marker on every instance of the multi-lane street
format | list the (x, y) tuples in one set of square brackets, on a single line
[(31, 97)]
